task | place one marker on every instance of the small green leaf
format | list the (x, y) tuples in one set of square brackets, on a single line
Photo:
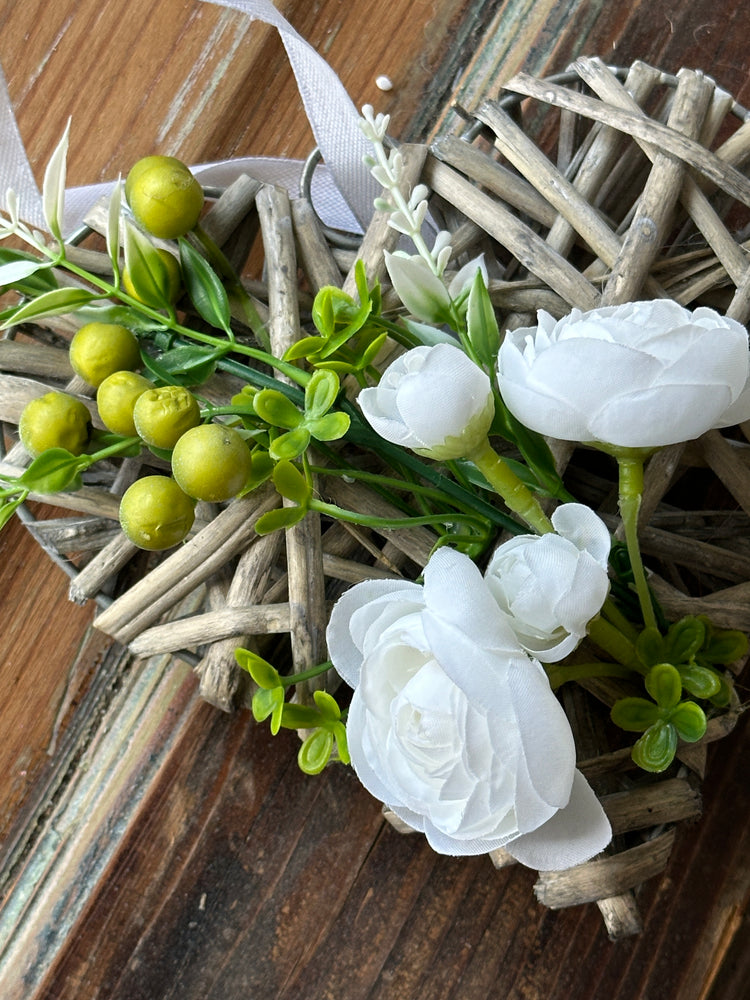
[(53, 471), (701, 682), (204, 288), (320, 393), (282, 517), (481, 323), (315, 751), (38, 278), (634, 714), (684, 639), (290, 445), (8, 508), (689, 720), (146, 270), (276, 409), (650, 647), (193, 361), (323, 314), (664, 684), (722, 646), (262, 672), (260, 471), (269, 701), (342, 744), (327, 705), (54, 303), (290, 483), (299, 716), (304, 348), (655, 750), (331, 427)]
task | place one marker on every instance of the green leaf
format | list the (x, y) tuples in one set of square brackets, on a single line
[(342, 744), (320, 393), (15, 272), (38, 278), (146, 270), (277, 409), (701, 682), (684, 639), (56, 469), (315, 751), (192, 360), (664, 684), (655, 750), (204, 288), (282, 517), (722, 646), (290, 445), (689, 720), (8, 509), (331, 427), (261, 470), (54, 303), (262, 672), (299, 716), (481, 323), (290, 483), (327, 705), (634, 714), (304, 348), (650, 647), (323, 313), (269, 701), (122, 315)]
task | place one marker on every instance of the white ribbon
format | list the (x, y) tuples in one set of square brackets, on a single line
[(342, 190)]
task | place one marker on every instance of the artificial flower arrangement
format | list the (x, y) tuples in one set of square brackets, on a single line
[(454, 722)]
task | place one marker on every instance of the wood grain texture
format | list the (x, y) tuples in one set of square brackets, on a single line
[(200, 863)]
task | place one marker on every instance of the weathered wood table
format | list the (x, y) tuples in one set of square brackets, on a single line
[(153, 846)]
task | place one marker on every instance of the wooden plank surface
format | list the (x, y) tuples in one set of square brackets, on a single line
[(177, 850)]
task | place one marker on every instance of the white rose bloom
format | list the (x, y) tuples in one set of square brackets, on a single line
[(551, 586), (433, 400), (454, 727), (639, 375)]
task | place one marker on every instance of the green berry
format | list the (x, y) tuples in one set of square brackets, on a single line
[(54, 420), (211, 462), (99, 349), (116, 398), (155, 513), (162, 415), (164, 196)]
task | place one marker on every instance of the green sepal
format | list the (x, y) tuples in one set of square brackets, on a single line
[(204, 288), (481, 324), (262, 672), (635, 715), (315, 751), (664, 684), (655, 750)]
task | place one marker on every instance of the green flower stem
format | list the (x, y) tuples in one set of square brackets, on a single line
[(517, 496), (392, 523), (631, 490), (612, 641), (613, 614), (559, 674), (305, 675)]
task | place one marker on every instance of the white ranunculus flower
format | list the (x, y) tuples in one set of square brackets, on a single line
[(454, 727), (434, 400), (639, 375), (550, 586)]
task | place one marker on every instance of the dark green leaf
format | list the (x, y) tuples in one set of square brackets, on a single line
[(684, 639), (204, 288), (650, 647)]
